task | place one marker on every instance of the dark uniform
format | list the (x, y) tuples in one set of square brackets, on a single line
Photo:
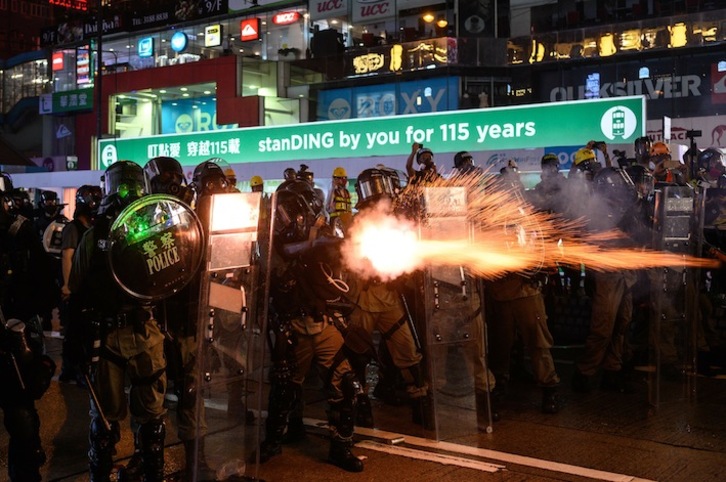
[(131, 341), (306, 277), (26, 372)]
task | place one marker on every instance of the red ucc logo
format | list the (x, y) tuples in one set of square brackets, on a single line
[(286, 18), (374, 9), (329, 6)]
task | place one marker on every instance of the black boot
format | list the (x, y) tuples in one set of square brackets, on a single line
[(152, 435), (550, 402), (296, 431), (100, 455), (364, 412), (341, 455), (280, 402)]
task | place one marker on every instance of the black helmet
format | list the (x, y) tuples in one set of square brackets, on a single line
[(22, 202), (305, 174), (462, 157), (642, 148), (89, 195), (289, 174), (293, 217), (49, 202), (123, 183), (305, 189), (209, 178), (165, 175), (708, 156), (421, 152)]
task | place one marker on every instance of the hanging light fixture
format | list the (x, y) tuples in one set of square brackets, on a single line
[(442, 22), (428, 17)]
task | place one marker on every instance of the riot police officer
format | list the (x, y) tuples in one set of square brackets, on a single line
[(26, 373), (306, 277), (131, 340)]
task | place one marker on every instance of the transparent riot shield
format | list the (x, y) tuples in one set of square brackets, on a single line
[(454, 325), (230, 347), (674, 317)]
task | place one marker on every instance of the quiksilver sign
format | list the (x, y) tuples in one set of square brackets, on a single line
[(659, 88)]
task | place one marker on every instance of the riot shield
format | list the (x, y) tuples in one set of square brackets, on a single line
[(674, 317), (233, 287), (454, 325), (155, 247), (53, 237)]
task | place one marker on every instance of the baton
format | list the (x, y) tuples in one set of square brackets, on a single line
[(17, 371), (94, 397), (411, 325)]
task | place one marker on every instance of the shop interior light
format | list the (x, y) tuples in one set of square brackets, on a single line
[(428, 17), (679, 33), (442, 22)]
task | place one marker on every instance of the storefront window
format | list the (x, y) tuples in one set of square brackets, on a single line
[(28, 79)]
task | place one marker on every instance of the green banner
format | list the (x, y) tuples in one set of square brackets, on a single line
[(615, 120)]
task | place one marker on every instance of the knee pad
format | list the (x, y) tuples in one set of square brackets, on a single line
[(152, 435), (101, 438)]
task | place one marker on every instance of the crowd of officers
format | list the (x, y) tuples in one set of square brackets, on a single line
[(319, 313)]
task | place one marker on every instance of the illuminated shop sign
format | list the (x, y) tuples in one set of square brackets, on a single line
[(249, 29), (619, 121), (71, 4), (146, 47), (67, 101), (213, 36), (285, 18), (400, 98), (179, 42), (425, 54), (656, 88), (83, 66), (57, 61)]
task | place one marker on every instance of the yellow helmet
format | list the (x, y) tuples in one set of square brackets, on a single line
[(339, 172), (584, 154), (255, 181)]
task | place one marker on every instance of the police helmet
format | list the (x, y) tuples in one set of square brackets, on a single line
[(22, 202), (642, 147), (293, 217), (89, 195), (305, 174), (209, 178), (289, 174), (306, 191), (461, 158), (165, 175), (123, 183), (707, 157)]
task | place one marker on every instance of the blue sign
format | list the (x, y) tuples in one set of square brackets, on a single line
[(190, 115), (415, 97), (146, 47), (179, 42)]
